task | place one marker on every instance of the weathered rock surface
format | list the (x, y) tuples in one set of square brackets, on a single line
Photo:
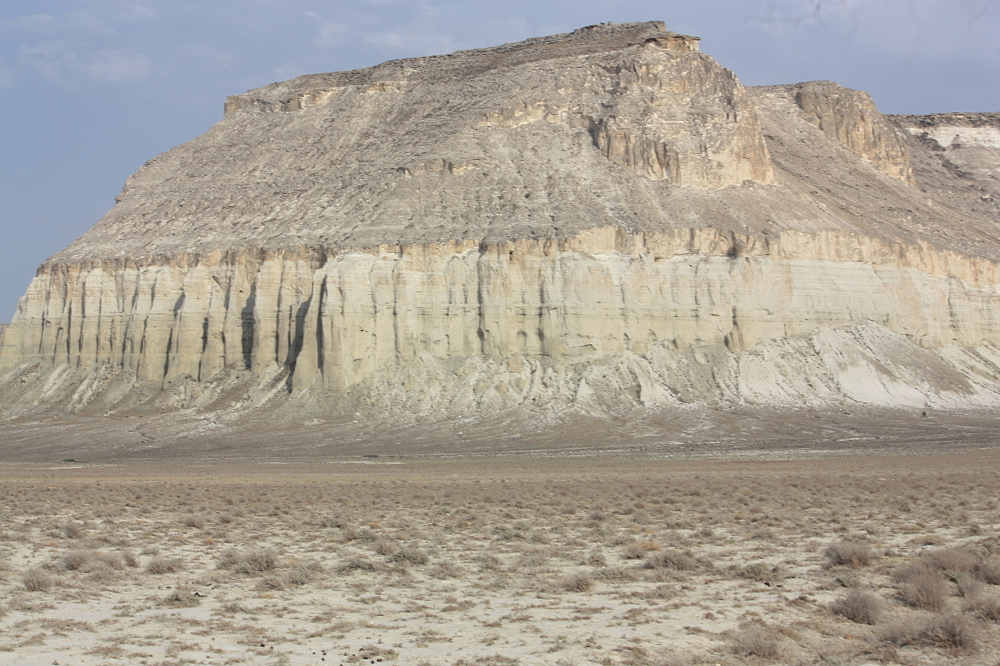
[(599, 220)]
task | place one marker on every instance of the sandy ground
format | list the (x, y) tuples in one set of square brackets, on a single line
[(518, 559)]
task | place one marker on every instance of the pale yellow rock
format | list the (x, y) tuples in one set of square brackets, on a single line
[(597, 221)]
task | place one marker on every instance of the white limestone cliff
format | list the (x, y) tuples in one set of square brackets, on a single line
[(600, 220)]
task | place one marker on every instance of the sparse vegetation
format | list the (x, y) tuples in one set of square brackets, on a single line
[(163, 565), (578, 582), (671, 559), (848, 554), (859, 606), (667, 557), (952, 631), (754, 641), (927, 591), (37, 579)]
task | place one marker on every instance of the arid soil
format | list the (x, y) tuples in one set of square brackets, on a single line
[(627, 558)]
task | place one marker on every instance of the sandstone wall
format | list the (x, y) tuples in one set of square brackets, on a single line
[(335, 320)]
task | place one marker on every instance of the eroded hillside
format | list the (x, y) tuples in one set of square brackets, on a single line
[(594, 221)]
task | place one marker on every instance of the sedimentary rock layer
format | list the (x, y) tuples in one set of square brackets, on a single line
[(602, 219)]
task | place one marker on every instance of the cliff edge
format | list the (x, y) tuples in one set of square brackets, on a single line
[(595, 221)]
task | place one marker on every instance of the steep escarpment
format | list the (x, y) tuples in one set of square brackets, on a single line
[(599, 220)]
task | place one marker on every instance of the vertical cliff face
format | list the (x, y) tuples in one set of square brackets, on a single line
[(334, 322), (850, 117), (599, 220)]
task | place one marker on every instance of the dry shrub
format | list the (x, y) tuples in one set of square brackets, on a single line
[(73, 530), (911, 570), (446, 569), (488, 562), (578, 582), (952, 560), (251, 561), (37, 579), (760, 642), (299, 576), (258, 559), (954, 632), (616, 574), (273, 581), (385, 547), (181, 597), (88, 561), (162, 565), (848, 554), (985, 607), (194, 521), (988, 570), (637, 550), (928, 591), (228, 559), (670, 559), (407, 555), (760, 572), (78, 560), (359, 564), (968, 585), (859, 606)]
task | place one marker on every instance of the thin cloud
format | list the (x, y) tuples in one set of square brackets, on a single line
[(6, 74), (417, 41), (49, 58), (59, 62), (78, 23), (330, 33), (117, 66)]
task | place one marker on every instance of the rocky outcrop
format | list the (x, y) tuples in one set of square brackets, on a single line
[(850, 117), (966, 144), (337, 320), (599, 220)]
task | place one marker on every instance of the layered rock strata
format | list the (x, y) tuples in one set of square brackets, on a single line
[(601, 219)]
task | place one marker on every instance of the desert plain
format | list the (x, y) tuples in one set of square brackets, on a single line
[(830, 548)]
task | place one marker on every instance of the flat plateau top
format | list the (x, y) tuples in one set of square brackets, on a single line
[(460, 64)]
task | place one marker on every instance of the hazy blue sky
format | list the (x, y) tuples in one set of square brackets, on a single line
[(91, 89)]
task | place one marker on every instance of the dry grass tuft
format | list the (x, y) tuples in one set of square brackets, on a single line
[(194, 521), (406, 555), (638, 550), (952, 561), (927, 591), (760, 642), (162, 565), (73, 530), (578, 582), (37, 579), (251, 561), (78, 560), (988, 569), (353, 564), (859, 606), (181, 597), (671, 559), (954, 631), (985, 607), (848, 554), (760, 572)]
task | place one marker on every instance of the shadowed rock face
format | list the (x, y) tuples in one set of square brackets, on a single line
[(850, 117), (597, 220)]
